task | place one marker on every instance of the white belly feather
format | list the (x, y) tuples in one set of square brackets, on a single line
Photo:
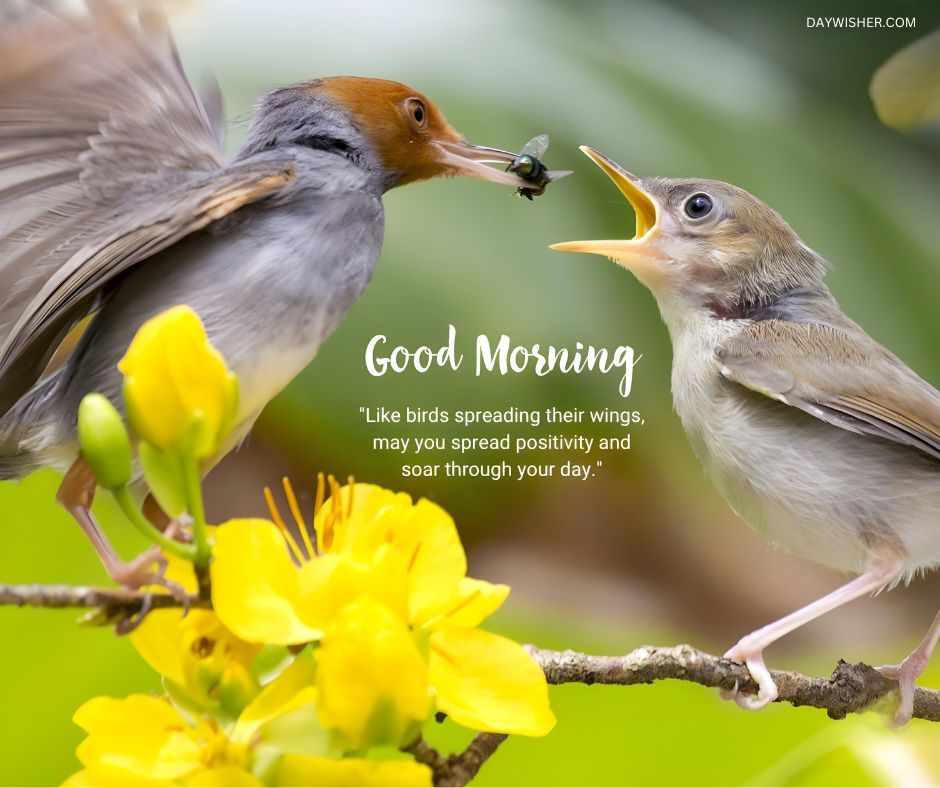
[(821, 492)]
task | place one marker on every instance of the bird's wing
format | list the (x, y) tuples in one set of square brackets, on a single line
[(840, 376), (154, 226), (107, 155)]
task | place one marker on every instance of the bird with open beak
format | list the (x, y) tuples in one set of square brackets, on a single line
[(820, 438), (116, 201)]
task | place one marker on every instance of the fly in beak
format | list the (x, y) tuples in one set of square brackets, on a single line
[(633, 253), (465, 158)]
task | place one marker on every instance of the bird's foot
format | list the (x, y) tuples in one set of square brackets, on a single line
[(906, 675), (179, 529), (148, 569), (753, 657)]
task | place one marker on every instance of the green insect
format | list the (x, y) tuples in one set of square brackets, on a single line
[(528, 166)]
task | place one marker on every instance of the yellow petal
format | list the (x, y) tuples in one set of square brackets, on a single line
[(343, 517), (199, 653), (372, 686), (89, 778), (303, 770), (157, 640), (293, 688), (428, 539), (222, 777), (140, 735), (473, 602), (179, 394), (330, 582), (489, 683), (423, 535), (255, 586)]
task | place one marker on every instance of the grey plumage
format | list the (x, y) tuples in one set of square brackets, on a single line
[(116, 200), (112, 160)]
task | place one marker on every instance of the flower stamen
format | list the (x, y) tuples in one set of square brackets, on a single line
[(336, 514), (298, 517), (321, 495), (296, 554)]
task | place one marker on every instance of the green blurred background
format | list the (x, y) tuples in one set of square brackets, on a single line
[(645, 551)]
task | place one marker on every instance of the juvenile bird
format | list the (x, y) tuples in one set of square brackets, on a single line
[(820, 438), (116, 201)]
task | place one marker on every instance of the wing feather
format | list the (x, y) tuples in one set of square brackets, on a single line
[(841, 376), (107, 157)]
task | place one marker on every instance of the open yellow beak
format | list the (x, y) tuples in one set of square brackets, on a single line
[(627, 252)]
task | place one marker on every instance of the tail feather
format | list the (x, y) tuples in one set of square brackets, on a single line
[(27, 432)]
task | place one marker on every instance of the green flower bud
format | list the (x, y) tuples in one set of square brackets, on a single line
[(104, 441), (165, 477)]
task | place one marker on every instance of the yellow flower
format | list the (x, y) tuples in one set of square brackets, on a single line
[(197, 654), (202, 661), (144, 740), (179, 394), (373, 543), (372, 682)]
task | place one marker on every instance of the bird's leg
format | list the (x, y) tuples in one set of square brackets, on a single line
[(909, 671), (750, 648), (174, 528), (76, 494)]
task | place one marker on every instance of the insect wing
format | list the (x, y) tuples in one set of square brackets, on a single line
[(535, 147)]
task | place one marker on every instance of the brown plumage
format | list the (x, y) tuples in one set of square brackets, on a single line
[(823, 440)]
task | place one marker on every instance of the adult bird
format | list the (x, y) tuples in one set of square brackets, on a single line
[(116, 202), (820, 438)]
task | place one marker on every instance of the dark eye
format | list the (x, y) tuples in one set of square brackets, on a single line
[(418, 113), (698, 206)]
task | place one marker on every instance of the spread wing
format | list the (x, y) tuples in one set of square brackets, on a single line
[(107, 156), (862, 387)]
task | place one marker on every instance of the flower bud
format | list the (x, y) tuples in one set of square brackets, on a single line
[(105, 444), (165, 477), (180, 396)]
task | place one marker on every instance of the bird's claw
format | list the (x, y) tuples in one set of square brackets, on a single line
[(147, 569), (753, 658), (729, 694), (127, 625), (178, 529), (906, 675), (139, 571)]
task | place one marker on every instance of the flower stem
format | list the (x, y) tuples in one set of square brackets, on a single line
[(142, 524), (196, 510)]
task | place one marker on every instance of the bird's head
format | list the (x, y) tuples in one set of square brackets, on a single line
[(383, 125), (705, 244)]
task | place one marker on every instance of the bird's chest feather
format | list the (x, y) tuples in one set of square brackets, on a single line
[(297, 288), (269, 290), (821, 492), (754, 453)]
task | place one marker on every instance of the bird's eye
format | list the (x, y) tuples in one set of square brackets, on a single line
[(698, 206), (418, 113)]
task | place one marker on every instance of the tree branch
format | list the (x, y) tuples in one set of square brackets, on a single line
[(118, 606), (850, 689), (457, 769)]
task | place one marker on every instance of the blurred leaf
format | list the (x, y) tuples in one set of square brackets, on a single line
[(906, 89)]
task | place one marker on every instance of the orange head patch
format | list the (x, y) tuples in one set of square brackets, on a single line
[(410, 135)]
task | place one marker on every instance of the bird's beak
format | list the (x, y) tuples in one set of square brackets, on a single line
[(460, 157), (639, 251)]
